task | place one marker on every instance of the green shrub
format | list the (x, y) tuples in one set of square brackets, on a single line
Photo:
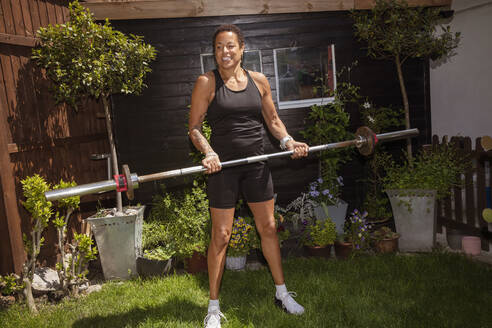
[(180, 221), (439, 169), (321, 233)]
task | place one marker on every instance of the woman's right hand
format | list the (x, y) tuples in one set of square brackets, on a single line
[(212, 163)]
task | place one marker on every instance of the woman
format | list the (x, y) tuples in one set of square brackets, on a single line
[(236, 102)]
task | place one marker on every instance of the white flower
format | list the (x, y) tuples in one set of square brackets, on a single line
[(371, 119), (367, 105)]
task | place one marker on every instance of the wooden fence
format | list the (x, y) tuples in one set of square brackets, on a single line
[(463, 209), (36, 136)]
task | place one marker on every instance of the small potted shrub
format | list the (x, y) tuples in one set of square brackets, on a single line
[(318, 237), (385, 240), (414, 186), (355, 237), (184, 224), (239, 244)]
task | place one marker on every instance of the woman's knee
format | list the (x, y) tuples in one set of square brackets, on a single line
[(267, 229), (221, 237)]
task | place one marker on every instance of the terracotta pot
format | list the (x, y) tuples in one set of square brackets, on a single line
[(343, 249), (471, 245), (387, 245), (318, 251), (196, 263)]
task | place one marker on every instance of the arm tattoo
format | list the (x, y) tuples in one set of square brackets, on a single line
[(199, 140)]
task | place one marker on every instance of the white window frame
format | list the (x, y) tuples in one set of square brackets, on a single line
[(211, 54), (304, 102)]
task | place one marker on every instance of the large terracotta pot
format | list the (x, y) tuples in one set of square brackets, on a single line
[(318, 251), (343, 249), (196, 263)]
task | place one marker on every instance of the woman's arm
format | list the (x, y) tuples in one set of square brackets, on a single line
[(273, 121), (200, 99)]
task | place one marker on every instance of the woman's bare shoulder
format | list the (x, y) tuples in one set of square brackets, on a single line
[(205, 81)]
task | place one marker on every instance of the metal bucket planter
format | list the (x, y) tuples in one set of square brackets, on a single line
[(415, 218), (337, 213), (119, 241)]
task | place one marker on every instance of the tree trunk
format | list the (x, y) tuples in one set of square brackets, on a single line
[(28, 295), (62, 272), (405, 103), (112, 145)]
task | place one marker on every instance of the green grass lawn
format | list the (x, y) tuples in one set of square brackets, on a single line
[(430, 290)]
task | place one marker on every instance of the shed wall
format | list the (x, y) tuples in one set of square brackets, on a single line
[(151, 131)]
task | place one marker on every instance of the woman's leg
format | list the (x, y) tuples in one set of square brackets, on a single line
[(222, 220), (265, 224)]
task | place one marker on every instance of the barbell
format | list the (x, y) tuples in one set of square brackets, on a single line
[(365, 141)]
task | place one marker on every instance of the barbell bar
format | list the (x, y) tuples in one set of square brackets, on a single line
[(365, 141)]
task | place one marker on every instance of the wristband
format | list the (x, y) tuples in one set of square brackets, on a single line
[(284, 141), (211, 153)]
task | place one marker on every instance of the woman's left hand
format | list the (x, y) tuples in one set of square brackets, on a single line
[(300, 149)]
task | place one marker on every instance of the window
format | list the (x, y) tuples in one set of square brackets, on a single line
[(252, 61), (305, 76)]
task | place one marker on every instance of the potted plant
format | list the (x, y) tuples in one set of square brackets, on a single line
[(182, 221), (319, 236), (328, 204), (85, 59), (297, 211), (356, 235), (385, 240), (239, 244), (414, 186)]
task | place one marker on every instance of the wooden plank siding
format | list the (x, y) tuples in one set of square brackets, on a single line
[(144, 9), (36, 135), (150, 129)]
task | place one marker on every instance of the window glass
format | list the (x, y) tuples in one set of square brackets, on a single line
[(251, 61), (304, 76)]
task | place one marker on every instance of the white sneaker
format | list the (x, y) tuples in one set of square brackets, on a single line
[(287, 302), (212, 320)]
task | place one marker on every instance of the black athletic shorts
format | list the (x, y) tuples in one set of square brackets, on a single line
[(253, 181)]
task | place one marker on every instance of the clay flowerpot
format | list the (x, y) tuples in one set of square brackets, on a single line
[(343, 249), (196, 263), (471, 245), (318, 251), (389, 245)]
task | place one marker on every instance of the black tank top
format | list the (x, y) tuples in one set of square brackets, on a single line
[(236, 120)]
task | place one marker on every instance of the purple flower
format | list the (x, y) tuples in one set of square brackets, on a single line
[(320, 180), (314, 193), (326, 192), (340, 181)]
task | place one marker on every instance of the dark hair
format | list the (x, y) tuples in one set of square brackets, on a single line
[(229, 28)]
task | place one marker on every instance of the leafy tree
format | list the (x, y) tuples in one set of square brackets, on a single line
[(393, 30), (83, 58)]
